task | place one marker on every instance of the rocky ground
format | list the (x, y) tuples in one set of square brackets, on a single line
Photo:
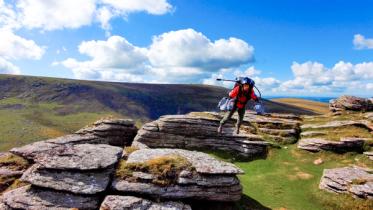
[(111, 165)]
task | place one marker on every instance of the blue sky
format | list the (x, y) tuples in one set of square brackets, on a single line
[(322, 48)]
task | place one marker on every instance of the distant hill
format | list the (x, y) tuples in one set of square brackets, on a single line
[(314, 106), (36, 108)]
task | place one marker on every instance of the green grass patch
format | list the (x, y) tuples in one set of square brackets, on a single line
[(39, 121), (335, 134), (165, 169), (288, 179)]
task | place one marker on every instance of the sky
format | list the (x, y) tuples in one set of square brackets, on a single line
[(289, 47)]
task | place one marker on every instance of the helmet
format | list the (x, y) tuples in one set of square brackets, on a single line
[(248, 81)]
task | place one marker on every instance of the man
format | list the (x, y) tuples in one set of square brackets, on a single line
[(242, 93)]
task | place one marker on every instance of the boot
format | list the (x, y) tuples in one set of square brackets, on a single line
[(237, 130), (220, 129)]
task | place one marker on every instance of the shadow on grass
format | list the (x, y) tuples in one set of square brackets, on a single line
[(234, 157), (246, 203)]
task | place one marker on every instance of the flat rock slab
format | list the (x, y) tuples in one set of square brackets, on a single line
[(369, 154), (30, 151), (344, 145), (80, 157), (312, 134), (199, 132), (80, 182), (115, 202), (203, 163), (75, 139), (32, 198), (340, 123), (117, 132), (352, 180), (196, 192), (123, 122)]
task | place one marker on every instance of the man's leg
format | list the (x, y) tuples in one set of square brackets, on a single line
[(227, 117), (241, 114)]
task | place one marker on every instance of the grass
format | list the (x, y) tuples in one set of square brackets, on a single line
[(39, 121), (288, 179), (165, 169), (317, 107), (335, 134)]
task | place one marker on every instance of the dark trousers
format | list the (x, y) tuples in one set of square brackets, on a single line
[(228, 116)]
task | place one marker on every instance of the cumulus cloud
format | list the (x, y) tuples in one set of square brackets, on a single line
[(52, 15), (176, 56), (8, 17), (7, 67), (314, 77), (113, 59), (13, 47), (16, 47), (360, 42), (189, 48)]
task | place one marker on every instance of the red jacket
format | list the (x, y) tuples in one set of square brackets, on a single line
[(242, 99)]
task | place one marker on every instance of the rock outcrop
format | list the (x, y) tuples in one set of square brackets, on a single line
[(76, 172), (115, 202), (206, 179), (350, 103), (343, 145), (66, 176), (117, 132), (314, 136), (198, 131), (352, 180), (340, 123), (29, 197)]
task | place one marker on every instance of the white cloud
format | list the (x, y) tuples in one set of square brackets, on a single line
[(176, 56), (360, 42), (188, 48), (314, 77), (8, 17), (369, 86), (52, 15), (16, 47), (8, 68), (154, 7), (113, 59)]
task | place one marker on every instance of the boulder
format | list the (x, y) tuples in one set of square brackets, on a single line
[(79, 157), (29, 197), (356, 181), (350, 103), (344, 145), (79, 182), (202, 162), (115, 202), (207, 179), (117, 132), (70, 156)]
